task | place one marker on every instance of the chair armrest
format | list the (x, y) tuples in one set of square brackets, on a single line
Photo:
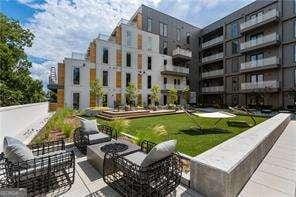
[(107, 130), (47, 147), (146, 146)]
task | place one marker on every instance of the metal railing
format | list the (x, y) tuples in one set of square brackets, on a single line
[(213, 89), (260, 63), (212, 73), (177, 69), (259, 19), (212, 57), (184, 52), (212, 42), (260, 85), (262, 40)]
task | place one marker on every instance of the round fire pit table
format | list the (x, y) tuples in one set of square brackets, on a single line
[(114, 147)]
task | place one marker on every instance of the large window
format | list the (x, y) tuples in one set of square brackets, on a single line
[(234, 45), (105, 78), (149, 82), (165, 80), (165, 47), (105, 55), (294, 53), (105, 100), (76, 100), (149, 44), (234, 30), (127, 79), (163, 29), (188, 38), (178, 34), (149, 63), (256, 78), (76, 76), (128, 59), (255, 57), (295, 29), (149, 26), (295, 77), (128, 38)]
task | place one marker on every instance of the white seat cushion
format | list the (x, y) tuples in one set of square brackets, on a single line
[(89, 126), (136, 157)]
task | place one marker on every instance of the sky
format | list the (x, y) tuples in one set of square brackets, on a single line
[(65, 26)]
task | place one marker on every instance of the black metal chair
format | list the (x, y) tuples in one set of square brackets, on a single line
[(83, 139), (131, 179), (52, 168)]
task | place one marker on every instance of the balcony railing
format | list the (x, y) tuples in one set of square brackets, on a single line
[(169, 86), (79, 56), (259, 19), (212, 73), (213, 89), (262, 40), (212, 57), (183, 52), (212, 42), (176, 69), (260, 63), (260, 85)]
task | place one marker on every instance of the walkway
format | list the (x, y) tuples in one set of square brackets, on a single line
[(276, 175)]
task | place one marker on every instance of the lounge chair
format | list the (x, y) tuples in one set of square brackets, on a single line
[(39, 168), (153, 171), (92, 133)]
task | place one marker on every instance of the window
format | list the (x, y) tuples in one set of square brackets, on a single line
[(165, 99), (257, 78), (76, 100), (149, 63), (165, 47), (128, 38), (149, 26), (163, 29), (178, 34), (76, 76), (149, 99), (128, 59), (105, 56), (149, 43), (294, 6), (105, 78), (234, 30), (256, 36), (165, 80), (295, 29), (234, 45), (295, 77), (165, 62), (187, 38), (294, 53), (235, 84), (105, 100), (127, 79), (149, 82), (175, 81), (254, 58), (178, 82)]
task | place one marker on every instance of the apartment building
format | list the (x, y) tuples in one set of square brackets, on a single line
[(248, 57), (144, 51)]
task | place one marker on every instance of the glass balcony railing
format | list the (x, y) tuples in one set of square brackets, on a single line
[(261, 40), (260, 85), (169, 86), (176, 69), (212, 73), (212, 57), (212, 42), (183, 52), (259, 19), (260, 63), (212, 89)]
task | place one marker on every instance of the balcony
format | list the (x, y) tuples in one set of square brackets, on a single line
[(212, 89), (181, 55), (268, 86), (264, 41), (266, 63), (168, 86), (212, 58), (265, 18), (212, 42), (214, 73), (174, 70)]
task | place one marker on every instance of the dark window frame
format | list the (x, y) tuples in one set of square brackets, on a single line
[(105, 78), (76, 79), (149, 62), (105, 55), (76, 103), (149, 81), (128, 59), (149, 25), (127, 79)]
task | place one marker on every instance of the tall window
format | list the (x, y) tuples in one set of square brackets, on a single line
[(178, 34), (149, 63), (188, 38), (294, 53), (163, 29), (128, 59), (76, 100), (165, 47), (256, 36), (165, 62), (149, 82), (149, 24), (105, 78), (105, 100), (295, 29), (76, 76), (105, 55), (257, 78), (254, 58), (295, 77), (128, 38), (127, 79), (149, 43), (165, 99), (165, 80), (294, 6), (234, 30), (234, 45)]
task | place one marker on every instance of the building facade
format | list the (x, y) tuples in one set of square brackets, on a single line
[(247, 58)]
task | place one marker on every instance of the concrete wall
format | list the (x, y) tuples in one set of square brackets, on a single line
[(14, 120), (224, 169)]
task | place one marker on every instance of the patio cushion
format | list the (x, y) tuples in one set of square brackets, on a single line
[(15, 150), (160, 151), (136, 157), (89, 126), (98, 138)]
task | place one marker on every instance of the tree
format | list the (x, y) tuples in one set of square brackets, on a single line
[(16, 84), (186, 93), (131, 93), (96, 90), (173, 96), (155, 94)]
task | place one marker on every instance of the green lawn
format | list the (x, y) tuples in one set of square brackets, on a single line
[(190, 140)]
